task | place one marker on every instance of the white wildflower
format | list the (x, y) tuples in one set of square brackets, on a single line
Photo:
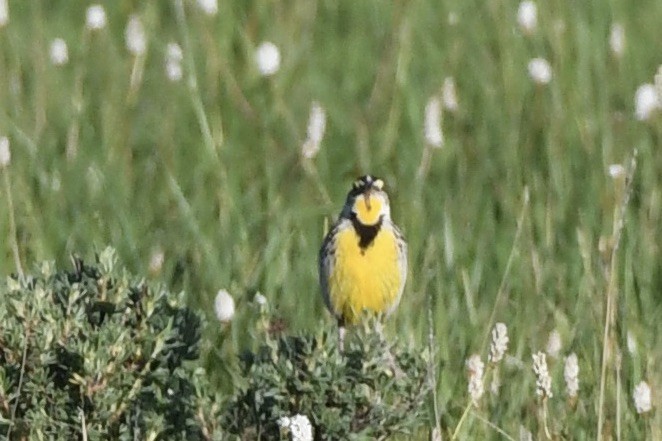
[(449, 95), (554, 344), (433, 119), (5, 153), (267, 57), (59, 53), (95, 17), (617, 39), (540, 71), (173, 65), (642, 398), (631, 343), (616, 171), (299, 427), (527, 16), (646, 102), (260, 299), (136, 41), (499, 344), (571, 375), (224, 306), (476, 368), (316, 126), (156, 260), (4, 13), (543, 380), (209, 7)]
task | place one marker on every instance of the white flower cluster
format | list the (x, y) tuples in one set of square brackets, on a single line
[(617, 39), (59, 52), (543, 380), (476, 369), (648, 98), (432, 125), (267, 58), (224, 306), (571, 375), (299, 427), (136, 40), (642, 398), (173, 62), (315, 132), (95, 18), (499, 344), (540, 71), (449, 95), (527, 17), (554, 344), (209, 7)]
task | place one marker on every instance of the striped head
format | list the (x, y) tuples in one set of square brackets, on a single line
[(367, 202)]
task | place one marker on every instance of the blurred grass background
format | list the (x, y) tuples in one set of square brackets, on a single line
[(209, 171)]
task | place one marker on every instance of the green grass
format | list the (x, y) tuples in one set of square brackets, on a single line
[(211, 173)]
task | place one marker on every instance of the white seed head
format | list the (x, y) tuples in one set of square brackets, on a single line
[(5, 153), (571, 375), (224, 306), (449, 95), (4, 13), (95, 17), (631, 343), (543, 380), (475, 368), (434, 135), (540, 71), (315, 132), (260, 299), (59, 52), (173, 62), (642, 398), (267, 57), (299, 427), (209, 7), (134, 34), (527, 17), (554, 344), (616, 171), (174, 52), (499, 344), (646, 102), (156, 260), (617, 40)]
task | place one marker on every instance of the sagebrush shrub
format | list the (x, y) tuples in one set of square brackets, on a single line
[(95, 353)]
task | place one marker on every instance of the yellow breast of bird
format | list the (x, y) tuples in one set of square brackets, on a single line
[(364, 278)]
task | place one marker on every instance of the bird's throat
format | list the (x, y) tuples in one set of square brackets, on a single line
[(366, 233)]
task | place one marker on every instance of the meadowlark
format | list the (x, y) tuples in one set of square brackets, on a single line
[(363, 259)]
